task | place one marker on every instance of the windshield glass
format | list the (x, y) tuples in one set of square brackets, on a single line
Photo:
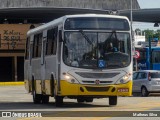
[(97, 49)]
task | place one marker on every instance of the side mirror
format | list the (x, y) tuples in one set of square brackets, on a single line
[(60, 36)]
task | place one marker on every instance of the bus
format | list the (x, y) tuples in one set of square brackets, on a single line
[(147, 61), (69, 57)]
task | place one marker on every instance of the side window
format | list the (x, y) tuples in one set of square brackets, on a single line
[(27, 48), (135, 76), (37, 45), (142, 75), (51, 44)]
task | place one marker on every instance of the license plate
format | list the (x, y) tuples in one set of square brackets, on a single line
[(123, 90)]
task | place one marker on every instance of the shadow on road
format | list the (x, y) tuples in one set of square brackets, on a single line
[(49, 106), (150, 95)]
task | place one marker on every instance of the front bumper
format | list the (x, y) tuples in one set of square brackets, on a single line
[(69, 89)]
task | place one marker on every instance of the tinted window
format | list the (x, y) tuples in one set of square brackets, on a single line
[(141, 75), (51, 45), (134, 76), (96, 23), (37, 45), (155, 75)]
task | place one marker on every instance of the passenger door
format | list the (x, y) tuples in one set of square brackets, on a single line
[(43, 62)]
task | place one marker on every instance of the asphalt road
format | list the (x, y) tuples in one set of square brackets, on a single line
[(16, 99)]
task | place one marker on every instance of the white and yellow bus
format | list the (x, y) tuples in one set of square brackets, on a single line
[(79, 57)]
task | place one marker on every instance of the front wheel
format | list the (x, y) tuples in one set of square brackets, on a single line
[(113, 100), (144, 92), (36, 97), (45, 99), (89, 99), (58, 101), (80, 100)]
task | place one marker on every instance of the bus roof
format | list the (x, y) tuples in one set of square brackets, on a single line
[(61, 20), (95, 15)]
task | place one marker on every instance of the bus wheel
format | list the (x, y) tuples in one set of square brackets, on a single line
[(36, 97), (113, 100), (80, 100), (58, 101), (45, 99), (52, 86), (89, 99)]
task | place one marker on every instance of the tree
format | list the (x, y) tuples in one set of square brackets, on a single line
[(148, 34)]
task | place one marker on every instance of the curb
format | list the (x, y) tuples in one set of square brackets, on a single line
[(11, 83)]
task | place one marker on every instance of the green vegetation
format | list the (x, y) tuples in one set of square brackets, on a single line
[(149, 33)]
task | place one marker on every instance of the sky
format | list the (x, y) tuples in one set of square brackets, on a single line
[(149, 3), (146, 4)]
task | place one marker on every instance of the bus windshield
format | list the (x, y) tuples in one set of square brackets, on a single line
[(108, 50)]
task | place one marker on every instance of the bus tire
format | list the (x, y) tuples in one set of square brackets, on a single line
[(80, 100), (112, 100), (89, 99), (58, 101), (36, 97), (52, 86), (45, 99)]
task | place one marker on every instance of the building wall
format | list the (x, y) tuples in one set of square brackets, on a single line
[(12, 45), (13, 36), (95, 4)]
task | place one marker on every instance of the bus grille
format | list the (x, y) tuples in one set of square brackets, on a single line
[(97, 75), (105, 82), (97, 89)]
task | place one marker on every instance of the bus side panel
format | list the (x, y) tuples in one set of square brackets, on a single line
[(36, 72), (51, 69), (38, 86), (36, 68), (48, 90)]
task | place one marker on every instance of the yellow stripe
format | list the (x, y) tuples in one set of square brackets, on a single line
[(11, 83)]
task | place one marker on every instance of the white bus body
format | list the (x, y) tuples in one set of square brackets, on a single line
[(66, 58)]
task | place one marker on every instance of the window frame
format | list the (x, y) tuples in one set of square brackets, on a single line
[(37, 45), (51, 43)]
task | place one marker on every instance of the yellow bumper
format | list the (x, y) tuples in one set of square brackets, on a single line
[(69, 89)]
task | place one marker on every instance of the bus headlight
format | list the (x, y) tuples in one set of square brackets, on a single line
[(70, 78), (124, 79)]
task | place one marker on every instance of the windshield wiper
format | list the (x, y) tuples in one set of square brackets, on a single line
[(86, 37), (113, 32)]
